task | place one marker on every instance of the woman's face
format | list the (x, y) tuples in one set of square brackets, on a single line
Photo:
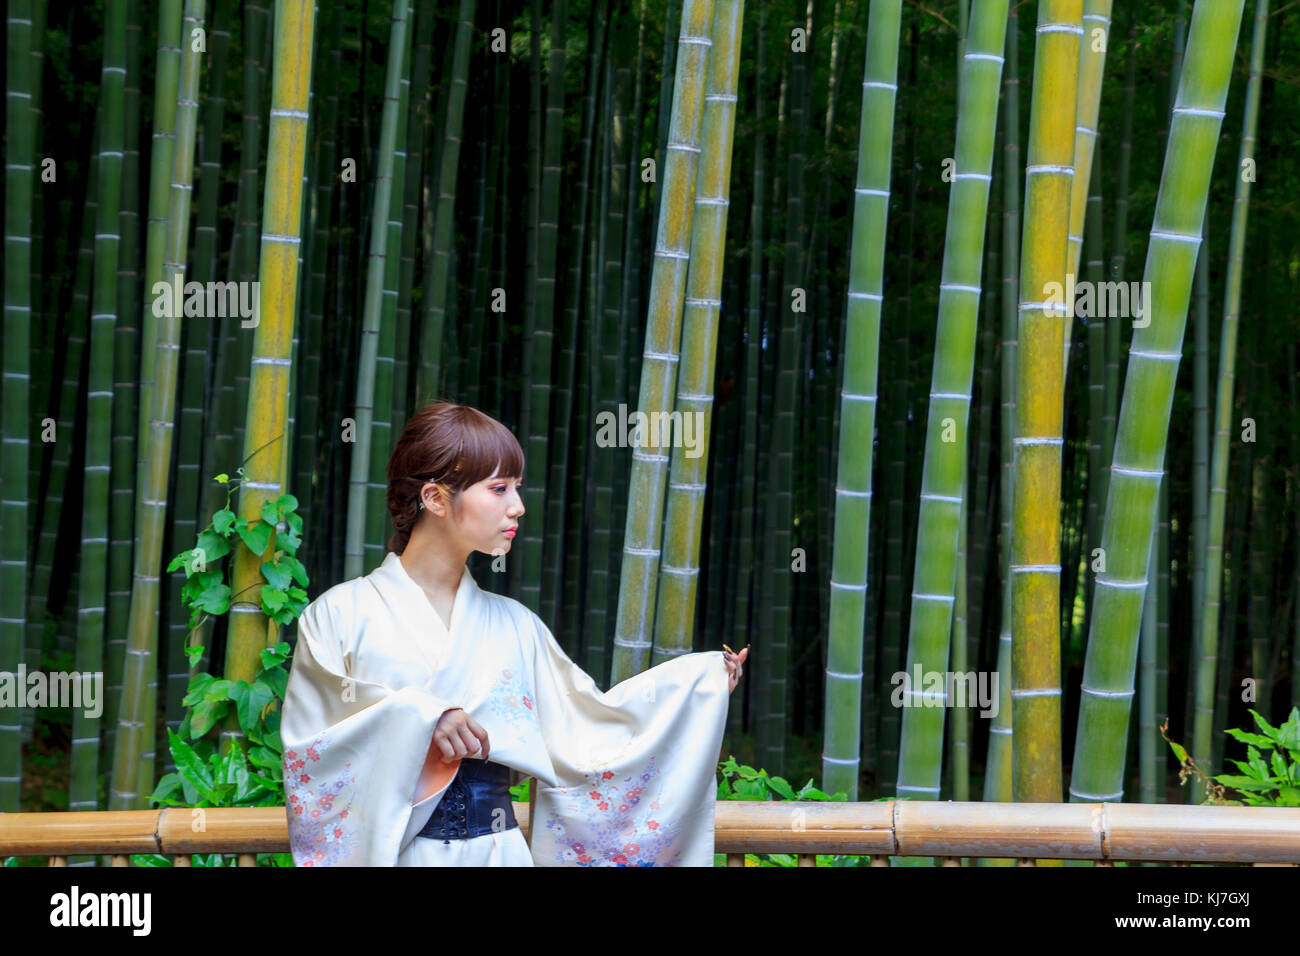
[(486, 516)]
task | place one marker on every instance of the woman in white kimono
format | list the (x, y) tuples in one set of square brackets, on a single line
[(413, 694)]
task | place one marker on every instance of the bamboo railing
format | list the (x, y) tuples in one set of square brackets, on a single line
[(1104, 832)]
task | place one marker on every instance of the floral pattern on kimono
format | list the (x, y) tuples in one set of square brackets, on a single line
[(513, 703), (619, 818), (308, 796)]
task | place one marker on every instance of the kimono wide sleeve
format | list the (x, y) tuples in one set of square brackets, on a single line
[(635, 765), (353, 752)]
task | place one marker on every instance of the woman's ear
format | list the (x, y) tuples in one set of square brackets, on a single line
[(442, 498)]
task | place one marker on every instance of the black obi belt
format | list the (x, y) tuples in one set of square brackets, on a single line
[(477, 801)]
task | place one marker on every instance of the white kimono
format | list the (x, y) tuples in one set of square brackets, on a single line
[(627, 775)]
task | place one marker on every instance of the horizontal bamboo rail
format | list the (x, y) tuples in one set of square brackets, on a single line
[(1105, 832)]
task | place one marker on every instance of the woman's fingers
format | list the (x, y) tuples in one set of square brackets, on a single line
[(467, 740), (444, 746), (478, 730)]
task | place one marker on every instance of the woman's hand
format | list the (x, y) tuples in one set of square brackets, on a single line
[(458, 735), (734, 663)]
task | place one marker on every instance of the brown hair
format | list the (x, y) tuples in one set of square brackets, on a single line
[(453, 445)]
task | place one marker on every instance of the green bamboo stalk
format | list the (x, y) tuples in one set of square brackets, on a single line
[(416, 121), (895, 476), (214, 113), (1207, 656), (640, 567), (41, 370), (1035, 539), (126, 338), (997, 772), (1259, 623), (20, 128), (674, 620), (359, 500), (920, 752), (826, 415), (436, 303), (312, 400), (599, 379), (779, 555), (1132, 500), (73, 366), (198, 331), (1200, 445), (83, 789), (540, 330), (1096, 372), (391, 336), (258, 38), (960, 732), (1148, 704), (166, 76), (747, 466), (133, 756), (858, 393), (1092, 67), (570, 481), (166, 73), (1118, 260), (982, 518), (484, 221)]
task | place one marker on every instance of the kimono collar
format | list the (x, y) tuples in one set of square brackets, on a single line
[(393, 580)]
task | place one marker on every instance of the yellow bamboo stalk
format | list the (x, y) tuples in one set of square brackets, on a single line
[(268, 386), (1035, 539)]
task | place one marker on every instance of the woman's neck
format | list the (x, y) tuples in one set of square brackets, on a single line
[(437, 569)]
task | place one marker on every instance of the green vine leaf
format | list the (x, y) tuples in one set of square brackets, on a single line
[(296, 570), (277, 575), (222, 521), (256, 535)]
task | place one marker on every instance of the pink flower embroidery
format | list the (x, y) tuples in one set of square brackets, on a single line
[(338, 832), (291, 754), (305, 779), (654, 804), (631, 848), (603, 805), (620, 858), (594, 795), (607, 774), (528, 703), (313, 754), (653, 825)]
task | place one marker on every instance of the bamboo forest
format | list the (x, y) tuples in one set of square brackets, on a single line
[(944, 353)]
